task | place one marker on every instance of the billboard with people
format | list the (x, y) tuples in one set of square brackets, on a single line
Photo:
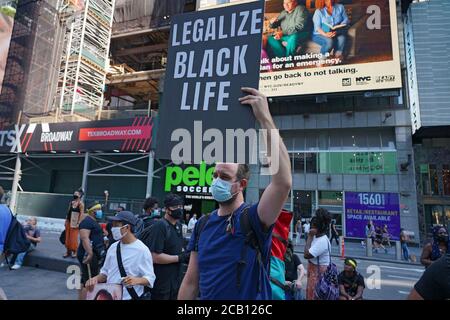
[(326, 46)]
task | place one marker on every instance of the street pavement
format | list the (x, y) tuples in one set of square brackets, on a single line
[(29, 283), (35, 284), (45, 277)]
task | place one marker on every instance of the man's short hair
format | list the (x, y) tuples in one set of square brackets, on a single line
[(150, 203), (243, 172)]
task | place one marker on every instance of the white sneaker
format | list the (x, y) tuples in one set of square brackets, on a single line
[(2, 265), (15, 267)]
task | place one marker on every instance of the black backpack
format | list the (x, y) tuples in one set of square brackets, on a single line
[(16, 239)]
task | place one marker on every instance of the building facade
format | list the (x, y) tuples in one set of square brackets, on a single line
[(429, 91)]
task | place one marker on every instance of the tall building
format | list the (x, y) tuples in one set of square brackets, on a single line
[(427, 50), (349, 144)]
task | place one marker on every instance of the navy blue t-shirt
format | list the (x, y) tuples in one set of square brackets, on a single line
[(218, 256)]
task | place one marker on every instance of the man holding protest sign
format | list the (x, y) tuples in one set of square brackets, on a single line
[(223, 264)]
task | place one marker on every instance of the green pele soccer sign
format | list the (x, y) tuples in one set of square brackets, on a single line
[(193, 179)]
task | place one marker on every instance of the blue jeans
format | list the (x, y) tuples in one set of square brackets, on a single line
[(405, 251), (326, 44), (21, 256)]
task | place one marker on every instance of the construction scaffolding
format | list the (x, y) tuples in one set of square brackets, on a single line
[(27, 84), (85, 57)]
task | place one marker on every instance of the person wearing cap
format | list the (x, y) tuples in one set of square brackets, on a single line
[(135, 257), (165, 241), (92, 248), (351, 282)]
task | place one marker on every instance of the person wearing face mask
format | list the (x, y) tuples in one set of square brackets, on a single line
[(223, 265), (437, 248), (91, 250), (129, 254), (165, 241), (109, 227), (151, 212), (73, 218)]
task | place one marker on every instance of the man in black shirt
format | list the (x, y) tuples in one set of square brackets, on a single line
[(351, 283), (434, 283), (165, 241)]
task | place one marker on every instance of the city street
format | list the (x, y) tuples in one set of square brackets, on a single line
[(28, 283), (35, 284)]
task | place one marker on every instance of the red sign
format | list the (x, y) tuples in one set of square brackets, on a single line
[(115, 133)]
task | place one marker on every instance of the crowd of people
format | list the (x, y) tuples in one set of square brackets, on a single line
[(228, 253)]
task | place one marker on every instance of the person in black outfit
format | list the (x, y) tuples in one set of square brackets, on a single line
[(165, 241), (351, 282), (435, 282), (334, 233), (92, 249), (294, 274)]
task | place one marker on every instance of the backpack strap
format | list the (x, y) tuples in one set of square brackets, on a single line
[(123, 273), (201, 223), (279, 284), (251, 240), (277, 236)]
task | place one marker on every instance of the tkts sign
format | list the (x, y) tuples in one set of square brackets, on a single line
[(125, 135)]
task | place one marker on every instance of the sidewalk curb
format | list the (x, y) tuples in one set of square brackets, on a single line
[(374, 259)]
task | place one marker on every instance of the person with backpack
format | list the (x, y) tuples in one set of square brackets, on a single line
[(295, 272), (13, 238), (322, 274), (92, 250), (231, 246), (165, 241), (5, 221), (351, 282), (33, 234), (128, 261)]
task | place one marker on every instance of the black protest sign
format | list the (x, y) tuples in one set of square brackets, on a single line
[(212, 55)]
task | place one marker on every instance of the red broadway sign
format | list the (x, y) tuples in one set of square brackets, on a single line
[(126, 135)]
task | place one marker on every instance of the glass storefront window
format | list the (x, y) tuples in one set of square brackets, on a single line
[(303, 203), (434, 180), (358, 162), (437, 215), (298, 162), (330, 198), (425, 179), (390, 162), (446, 179), (311, 162)]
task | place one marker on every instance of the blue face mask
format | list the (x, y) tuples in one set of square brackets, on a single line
[(99, 214), (155, 213), (221, 190)]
